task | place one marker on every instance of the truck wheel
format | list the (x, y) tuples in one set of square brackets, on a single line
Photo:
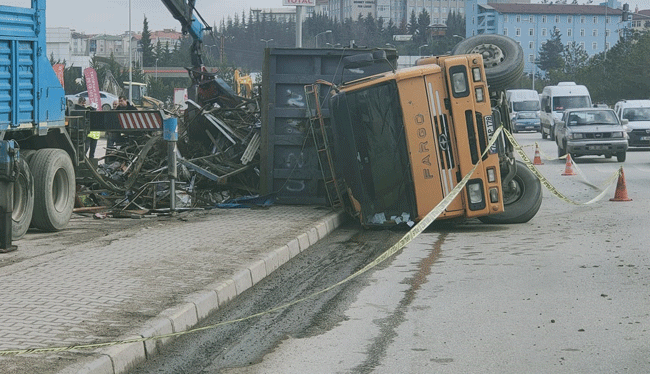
[(521, 201), (620, 156), (54, 189), (543, 134), (503, 58), (23, 205)]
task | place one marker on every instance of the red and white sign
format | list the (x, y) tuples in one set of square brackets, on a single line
[(140, 121), (94, 99), (58, 70), (299, 2)]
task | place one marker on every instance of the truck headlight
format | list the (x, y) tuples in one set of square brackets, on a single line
[(475, 193), (575, 135), (617, 134)]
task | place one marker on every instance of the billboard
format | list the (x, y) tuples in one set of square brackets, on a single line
[(299, 2)]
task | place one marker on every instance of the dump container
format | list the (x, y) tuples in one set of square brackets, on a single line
[(289, 161)]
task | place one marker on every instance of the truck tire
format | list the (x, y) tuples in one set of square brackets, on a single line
[(54, 189), (522, 203), (23, 205), (503, 58)]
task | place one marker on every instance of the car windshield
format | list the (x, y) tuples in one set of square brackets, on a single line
[(526, 115), (636, 114), (600, 117), (520, 106), (569, 102)]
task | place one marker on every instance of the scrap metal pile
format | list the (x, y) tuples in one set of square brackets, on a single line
[(217, 159)]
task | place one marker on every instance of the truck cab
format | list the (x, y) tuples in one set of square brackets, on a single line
[(405, 139)]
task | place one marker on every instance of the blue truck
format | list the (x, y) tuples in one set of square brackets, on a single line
[(37, 153), (40, 148)]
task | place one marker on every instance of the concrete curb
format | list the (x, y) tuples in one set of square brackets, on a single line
[(120, 359)]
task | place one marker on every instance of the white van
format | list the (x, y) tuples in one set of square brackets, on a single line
[(635, 115), (524, 109), (556, 99), (522, 100)]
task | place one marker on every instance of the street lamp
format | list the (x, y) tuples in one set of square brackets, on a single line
[(321, 33), (266, 41), (420, 48)]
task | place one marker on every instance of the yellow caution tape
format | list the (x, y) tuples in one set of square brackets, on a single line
[(407, 238), (608, 183)]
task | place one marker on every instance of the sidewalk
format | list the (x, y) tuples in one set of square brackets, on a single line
[(105, 280)]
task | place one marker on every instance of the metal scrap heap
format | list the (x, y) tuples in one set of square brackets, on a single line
[(217, 159)]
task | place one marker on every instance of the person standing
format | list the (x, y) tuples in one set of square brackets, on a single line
[(124, 104)]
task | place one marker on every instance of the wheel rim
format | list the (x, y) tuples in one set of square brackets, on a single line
[(60, 190), (514, 192), (492, 55)]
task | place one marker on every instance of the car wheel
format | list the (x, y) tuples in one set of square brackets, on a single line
[(106, 107), (503, 58), (560, 151), (521, 199), (620, 156)]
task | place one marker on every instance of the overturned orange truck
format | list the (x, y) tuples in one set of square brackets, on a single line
[(404, 139)]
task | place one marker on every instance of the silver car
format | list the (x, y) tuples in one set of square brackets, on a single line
[(591, 131)]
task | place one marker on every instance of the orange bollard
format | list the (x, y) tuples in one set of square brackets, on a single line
[(621, 189), (568, 170), (538, 159)]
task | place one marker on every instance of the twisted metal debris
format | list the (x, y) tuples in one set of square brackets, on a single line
[(218, 159)]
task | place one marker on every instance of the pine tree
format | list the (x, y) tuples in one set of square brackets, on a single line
[(148, 58), (550, 53)]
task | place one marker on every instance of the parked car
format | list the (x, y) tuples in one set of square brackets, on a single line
[(635, 116), (107, 99), (526, 121), (591, 131)]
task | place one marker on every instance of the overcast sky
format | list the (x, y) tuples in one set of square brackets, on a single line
[(112, 16)]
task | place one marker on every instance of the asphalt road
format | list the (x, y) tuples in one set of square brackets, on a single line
[(566, 292)]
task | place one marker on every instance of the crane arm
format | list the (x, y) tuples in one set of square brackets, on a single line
[(182, 11)]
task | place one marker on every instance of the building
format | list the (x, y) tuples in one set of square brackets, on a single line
[(166, 37), (399, 11), (594, 27), (641, 20)]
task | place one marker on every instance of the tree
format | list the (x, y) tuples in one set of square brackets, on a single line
[(413, 24), (148, 58), (550, 53), (455, 24)]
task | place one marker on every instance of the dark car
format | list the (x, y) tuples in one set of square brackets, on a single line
[(526, 121), (591, 131)]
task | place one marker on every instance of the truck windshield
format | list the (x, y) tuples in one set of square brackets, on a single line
[(561, 103), (377, 167), (525, 106)]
